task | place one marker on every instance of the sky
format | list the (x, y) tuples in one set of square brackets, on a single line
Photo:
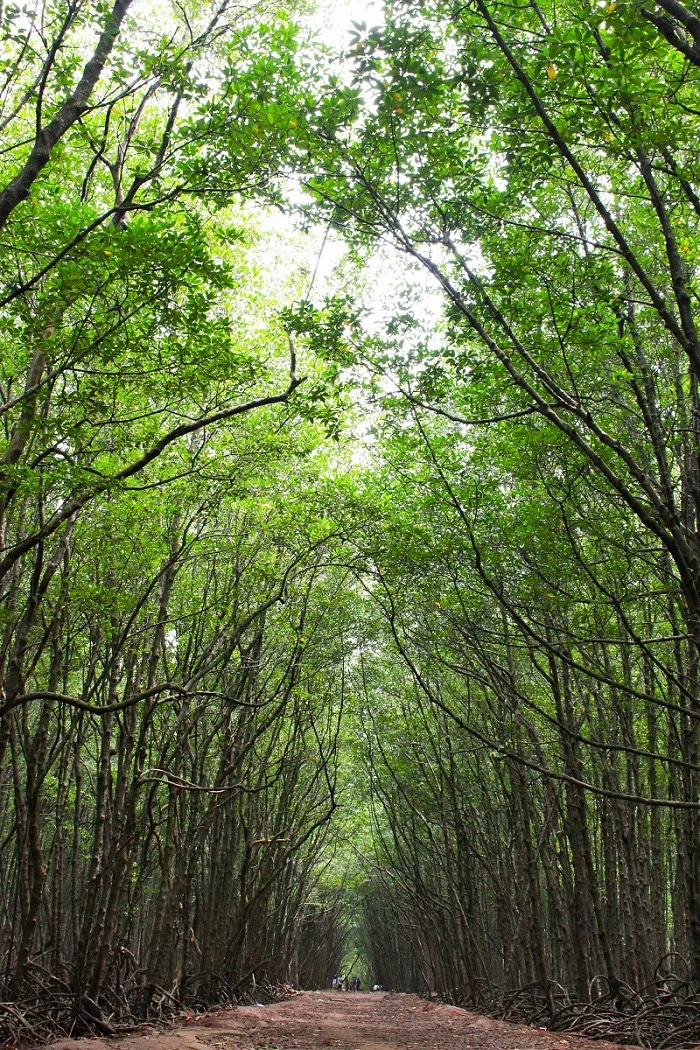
[(335, 17)]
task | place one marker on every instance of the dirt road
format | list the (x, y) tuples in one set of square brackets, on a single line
[(346, 1021)]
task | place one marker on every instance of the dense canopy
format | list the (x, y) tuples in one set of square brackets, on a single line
[(350, 507)]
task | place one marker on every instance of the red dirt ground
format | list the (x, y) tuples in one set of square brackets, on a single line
[(345, 1021)]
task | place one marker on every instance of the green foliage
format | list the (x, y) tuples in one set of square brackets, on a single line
[(435, 676)]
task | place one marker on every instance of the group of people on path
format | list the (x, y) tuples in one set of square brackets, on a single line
[(345, 984)]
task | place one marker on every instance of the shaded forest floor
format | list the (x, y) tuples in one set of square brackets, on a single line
[(360, 1021)]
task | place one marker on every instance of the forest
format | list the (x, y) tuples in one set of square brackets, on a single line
[(350, 508)]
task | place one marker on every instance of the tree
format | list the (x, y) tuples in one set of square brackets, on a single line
[(168, 732), (539, 165)]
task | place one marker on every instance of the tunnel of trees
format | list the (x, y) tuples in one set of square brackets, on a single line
[(350, 508)]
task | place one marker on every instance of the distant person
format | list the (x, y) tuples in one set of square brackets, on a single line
[(346, 983), (358, 984)]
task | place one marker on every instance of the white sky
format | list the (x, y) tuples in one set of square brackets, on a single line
[(334, 18)]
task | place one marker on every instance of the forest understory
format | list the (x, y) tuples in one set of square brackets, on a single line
[(642, 1019), (315, 1020), (358, 1021)]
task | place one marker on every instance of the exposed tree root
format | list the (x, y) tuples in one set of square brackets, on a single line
[(665, 1015), (49, 1009)]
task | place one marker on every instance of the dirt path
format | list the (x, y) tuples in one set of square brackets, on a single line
[(360, 1021)]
